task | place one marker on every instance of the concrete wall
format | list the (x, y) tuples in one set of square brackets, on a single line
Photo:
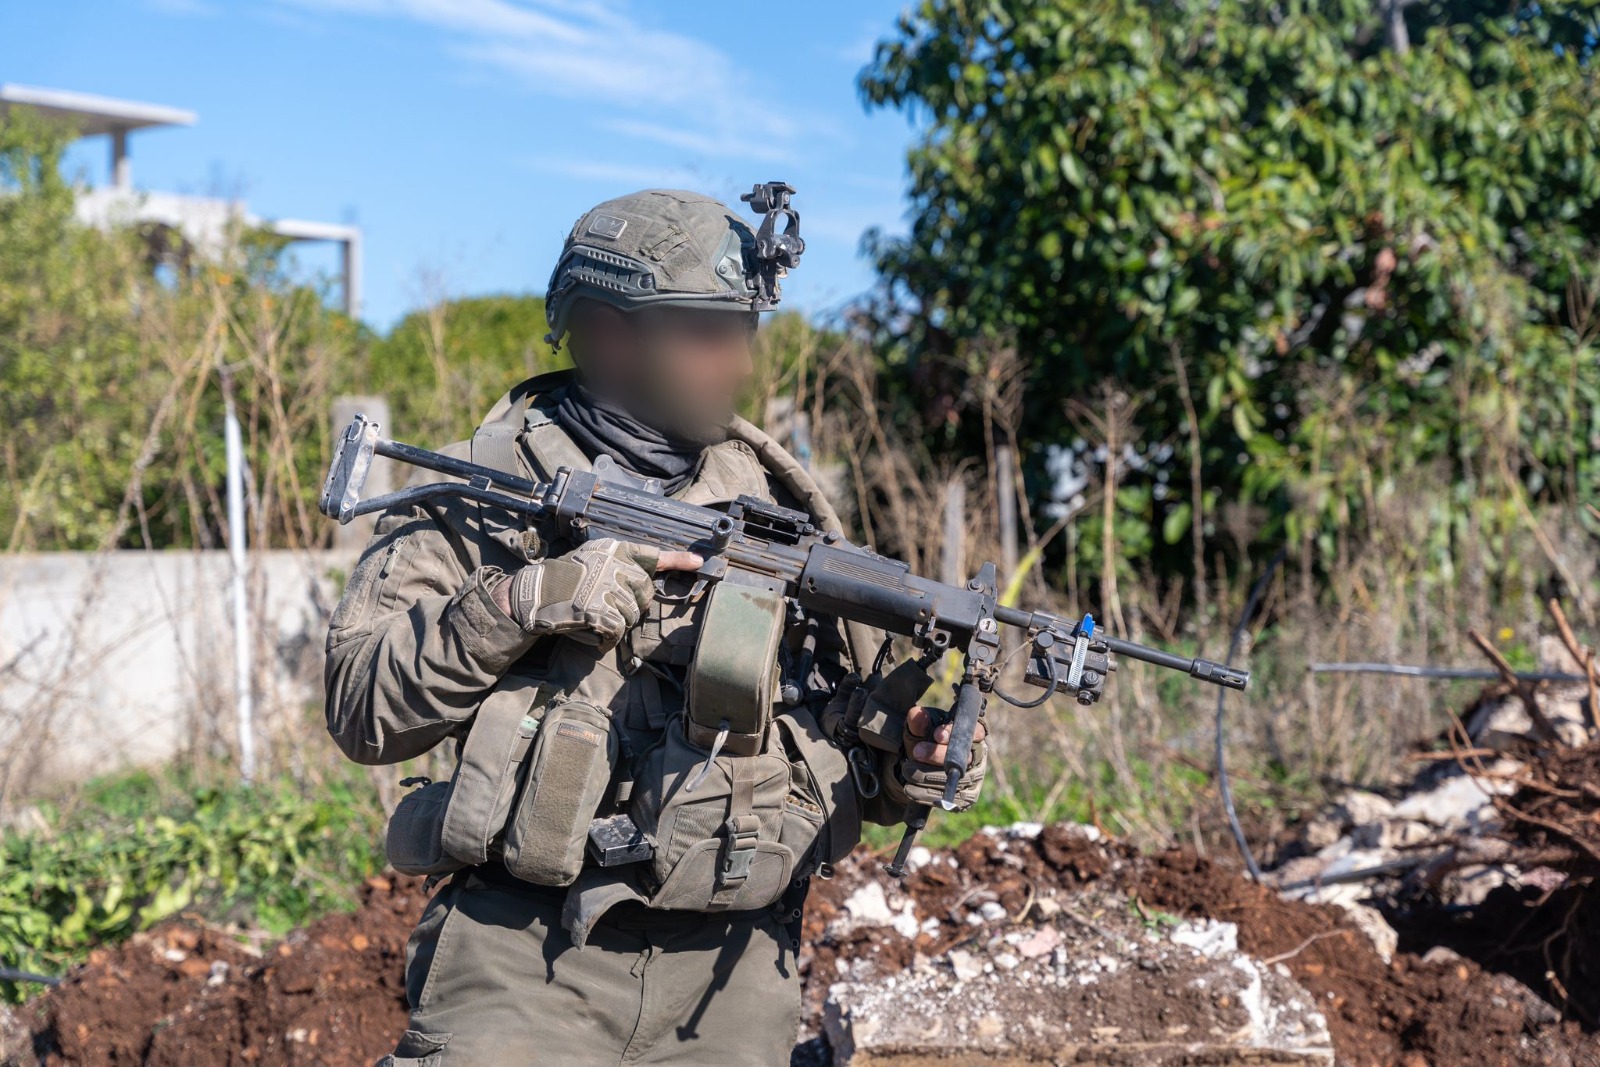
[(122, 658)]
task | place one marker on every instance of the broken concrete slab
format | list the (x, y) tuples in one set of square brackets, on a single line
[(1122, 991)]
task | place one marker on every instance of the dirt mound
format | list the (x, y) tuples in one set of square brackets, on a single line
[(1544, 928), (1409, 1012), (184, 995), (333, 993)]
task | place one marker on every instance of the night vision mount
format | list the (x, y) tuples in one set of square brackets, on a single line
[(776, 252)]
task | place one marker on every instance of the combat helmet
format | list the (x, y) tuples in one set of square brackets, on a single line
[(668, 246)]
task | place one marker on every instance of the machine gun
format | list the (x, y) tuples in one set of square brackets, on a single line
[(777, 549)]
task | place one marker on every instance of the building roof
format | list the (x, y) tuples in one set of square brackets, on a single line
[(90, 114)]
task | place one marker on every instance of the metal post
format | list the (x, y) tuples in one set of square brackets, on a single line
[(234, 446), (955, 525), (1006, 485), (121, 169), (351, 247)]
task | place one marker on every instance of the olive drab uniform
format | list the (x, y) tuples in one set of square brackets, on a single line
[(532, 951)]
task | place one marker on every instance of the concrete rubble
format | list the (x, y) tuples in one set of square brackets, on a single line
[(1083, 979), (1435, 830)]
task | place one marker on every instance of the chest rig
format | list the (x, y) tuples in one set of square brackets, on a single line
[(666, 770)]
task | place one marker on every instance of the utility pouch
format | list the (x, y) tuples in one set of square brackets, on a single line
[(444, 826), (717, 824), (571, 767), (733, 679), (414, 843), (486, 777), (883, 716)]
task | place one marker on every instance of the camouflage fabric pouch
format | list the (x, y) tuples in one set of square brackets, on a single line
[(717, 824), (568, 776), (444, 826)]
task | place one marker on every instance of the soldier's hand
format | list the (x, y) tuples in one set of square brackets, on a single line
[(594, 594), (921, 774)]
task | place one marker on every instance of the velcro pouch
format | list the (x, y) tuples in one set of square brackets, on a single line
[(571, 767), (733, 678), (414, 843), (486, 776)]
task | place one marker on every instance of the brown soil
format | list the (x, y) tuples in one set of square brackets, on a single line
[(333, 993), (182, 995), (1408, 1011)]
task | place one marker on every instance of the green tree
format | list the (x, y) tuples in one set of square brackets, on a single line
[(113, 346), (1326, 270)]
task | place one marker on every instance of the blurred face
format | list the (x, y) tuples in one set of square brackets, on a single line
[(680, 370)]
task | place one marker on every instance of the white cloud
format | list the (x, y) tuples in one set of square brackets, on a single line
[(668, 87), (622, 173), (705, 144)]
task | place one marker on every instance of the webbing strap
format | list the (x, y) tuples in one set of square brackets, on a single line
[(743, 830)]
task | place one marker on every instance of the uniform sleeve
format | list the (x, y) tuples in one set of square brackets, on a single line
[(415, 643)]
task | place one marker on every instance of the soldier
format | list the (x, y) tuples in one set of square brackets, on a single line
[(592, 687)]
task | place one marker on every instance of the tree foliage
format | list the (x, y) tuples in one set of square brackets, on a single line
[(116, 350), (455, 358), (1323, 271)]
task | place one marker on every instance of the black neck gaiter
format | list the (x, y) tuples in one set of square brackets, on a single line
[(601, 427)]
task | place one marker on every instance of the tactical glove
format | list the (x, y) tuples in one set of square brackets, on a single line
[(923, 783), (594, 594)]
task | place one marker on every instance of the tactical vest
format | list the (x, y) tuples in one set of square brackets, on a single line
[(665, 770)]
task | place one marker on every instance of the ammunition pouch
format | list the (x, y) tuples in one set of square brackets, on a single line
[(572, 767)]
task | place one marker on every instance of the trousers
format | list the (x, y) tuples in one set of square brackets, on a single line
[(492, 978)]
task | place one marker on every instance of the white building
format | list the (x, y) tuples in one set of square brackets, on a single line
[(204, 223)]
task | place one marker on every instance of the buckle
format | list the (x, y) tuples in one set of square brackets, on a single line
[(740, 850)]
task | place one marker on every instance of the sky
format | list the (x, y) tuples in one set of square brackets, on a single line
[(465, 136)]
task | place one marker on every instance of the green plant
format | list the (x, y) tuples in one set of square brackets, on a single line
[(140, 847)]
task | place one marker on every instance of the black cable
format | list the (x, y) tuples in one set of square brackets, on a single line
[(9, 975), (1049, 687), (1223, 785)]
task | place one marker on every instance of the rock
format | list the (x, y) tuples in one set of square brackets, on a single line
[(992, 911), (1371, 922), (1456, 803), (1469, 886), (16, 1041), (1111, 995), (868, 906), (965, 966), (1039, 943), (1321, 832), (1361, 808), (1046, 908), (1392, 834), (1210, 938), (1441, 954)]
